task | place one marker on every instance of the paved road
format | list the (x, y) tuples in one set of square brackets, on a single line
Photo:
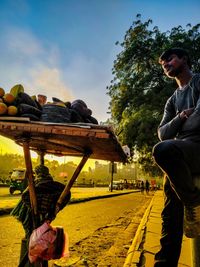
[(79, 220), (7, 200)]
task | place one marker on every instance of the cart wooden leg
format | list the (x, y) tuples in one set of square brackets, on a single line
[(71, 181), (29, 171), (24, 262)]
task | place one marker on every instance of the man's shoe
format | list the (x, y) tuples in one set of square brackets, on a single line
[(191, 224)]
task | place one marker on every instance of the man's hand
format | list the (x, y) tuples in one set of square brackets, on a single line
[(186, 113)]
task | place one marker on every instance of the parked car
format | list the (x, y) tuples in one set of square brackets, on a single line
[(18, 180), (117, 185)]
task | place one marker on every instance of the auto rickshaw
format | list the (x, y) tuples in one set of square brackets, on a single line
[(18, 180)]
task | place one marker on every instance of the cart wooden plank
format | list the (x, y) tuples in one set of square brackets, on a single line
[(68, 139)]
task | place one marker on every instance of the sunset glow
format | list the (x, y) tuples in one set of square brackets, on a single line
[(10, 147)]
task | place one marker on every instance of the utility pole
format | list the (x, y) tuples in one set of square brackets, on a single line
[(112, 170)]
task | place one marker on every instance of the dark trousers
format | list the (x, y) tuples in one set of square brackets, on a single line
[(172, 229), (180, 161)]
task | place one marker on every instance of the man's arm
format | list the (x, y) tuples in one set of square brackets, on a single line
[(170, 123), (192, 122)]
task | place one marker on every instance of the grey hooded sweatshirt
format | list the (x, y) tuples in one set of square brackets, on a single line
[(171, 126)]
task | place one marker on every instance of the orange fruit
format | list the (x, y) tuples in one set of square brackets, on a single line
[(2, 92), (8, 98), (12, 110), (3, 108)]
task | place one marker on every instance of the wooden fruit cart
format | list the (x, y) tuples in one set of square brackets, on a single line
[(81, 140)]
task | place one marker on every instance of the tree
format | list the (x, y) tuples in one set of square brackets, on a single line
[(139, 89), (12, 161)]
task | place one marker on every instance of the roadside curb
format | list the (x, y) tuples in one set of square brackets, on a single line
[(7, 211), (134, 252), (78, 200)]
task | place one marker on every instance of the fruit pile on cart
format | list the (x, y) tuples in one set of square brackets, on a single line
[(19, 103)]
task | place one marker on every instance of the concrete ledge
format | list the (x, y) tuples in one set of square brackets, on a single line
[(133, 254)]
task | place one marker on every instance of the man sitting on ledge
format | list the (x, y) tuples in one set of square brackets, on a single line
[(178, 155)]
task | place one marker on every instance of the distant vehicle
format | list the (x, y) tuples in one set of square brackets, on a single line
[(117, 185), (18, 180)]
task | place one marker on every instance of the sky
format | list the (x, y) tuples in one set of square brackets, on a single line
[(66, 48)]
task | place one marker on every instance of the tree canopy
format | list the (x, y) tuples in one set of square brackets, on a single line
[(139, 89)]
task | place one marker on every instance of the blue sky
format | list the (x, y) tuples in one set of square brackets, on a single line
[(66, 48)]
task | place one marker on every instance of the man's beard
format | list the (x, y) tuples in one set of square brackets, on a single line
[(172, 73)]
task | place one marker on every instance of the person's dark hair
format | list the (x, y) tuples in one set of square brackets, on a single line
[(177, 51)]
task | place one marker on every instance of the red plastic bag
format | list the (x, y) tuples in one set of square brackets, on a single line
[(47, 242)]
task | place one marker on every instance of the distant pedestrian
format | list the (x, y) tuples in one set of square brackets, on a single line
[(147, 186), (142, 187)]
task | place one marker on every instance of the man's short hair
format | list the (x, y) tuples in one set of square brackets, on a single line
[(180, 52)]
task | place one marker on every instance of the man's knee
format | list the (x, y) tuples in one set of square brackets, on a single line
[(164, 150)]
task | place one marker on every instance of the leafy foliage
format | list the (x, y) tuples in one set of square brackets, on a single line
[(12, 161), (62, 172), (139, 89)]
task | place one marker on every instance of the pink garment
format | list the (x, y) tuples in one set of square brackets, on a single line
[(44, 244)]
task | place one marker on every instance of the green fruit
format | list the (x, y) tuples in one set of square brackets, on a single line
[(15, 90), (24, 98)]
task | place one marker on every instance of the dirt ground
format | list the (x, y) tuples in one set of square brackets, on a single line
[(108, 245)]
